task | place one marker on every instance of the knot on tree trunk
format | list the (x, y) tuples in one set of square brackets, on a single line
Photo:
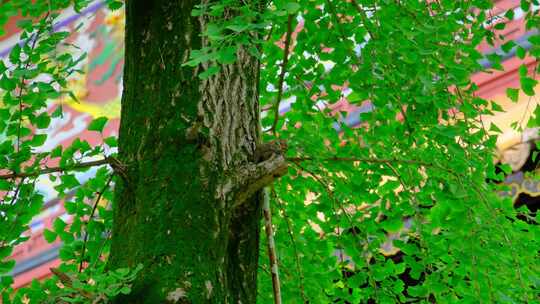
[(268, 164), (266, 150)]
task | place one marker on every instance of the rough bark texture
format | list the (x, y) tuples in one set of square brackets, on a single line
[(182, 139)]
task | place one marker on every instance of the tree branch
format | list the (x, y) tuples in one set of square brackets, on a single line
[(92, 213), (361, 159), (271, 244), (23, 80), (106, 161), (268, 164), (282, 74), (249, 179), (15, 194), (364, 17), (383, 161), (295, 248)]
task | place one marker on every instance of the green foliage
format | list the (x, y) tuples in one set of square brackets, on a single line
[(25, 91), (413, 170), (97, 124), (36, 71), (89, 287)]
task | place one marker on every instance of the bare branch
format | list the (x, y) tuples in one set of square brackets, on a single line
[(271, 244)]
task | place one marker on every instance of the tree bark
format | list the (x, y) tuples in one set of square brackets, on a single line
[(189, 205)]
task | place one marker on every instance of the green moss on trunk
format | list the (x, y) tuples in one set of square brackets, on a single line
[(170, 213)]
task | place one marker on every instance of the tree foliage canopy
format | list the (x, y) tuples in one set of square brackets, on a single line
[(418, 169)]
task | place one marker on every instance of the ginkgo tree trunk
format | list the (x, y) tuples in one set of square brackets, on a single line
[(188, 205)]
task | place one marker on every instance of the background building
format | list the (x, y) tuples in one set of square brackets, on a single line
[(98, 91)]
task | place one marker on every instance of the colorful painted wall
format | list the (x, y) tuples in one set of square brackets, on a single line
[(98, 91)]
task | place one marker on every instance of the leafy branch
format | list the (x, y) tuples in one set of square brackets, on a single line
[(364, 18), (284, 63), (119, 167), (331, 194), (82, 165), (92, 213), (363, 159), (23, 79), (290, 232)]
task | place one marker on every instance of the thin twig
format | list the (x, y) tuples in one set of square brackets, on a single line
[(94, 208), (364, 18), (23, 80), (272, 256), (282, 74), (100, 251), (335, 201), (528, 103), (270, 32), (16, 194), (48, 170), (383, 161), (341, 31), (336, 19), (117, 166), (505, 236), (417, 219), (362, 159), (295, 248)]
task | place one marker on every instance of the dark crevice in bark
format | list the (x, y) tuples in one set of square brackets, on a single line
[(243, 250)]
